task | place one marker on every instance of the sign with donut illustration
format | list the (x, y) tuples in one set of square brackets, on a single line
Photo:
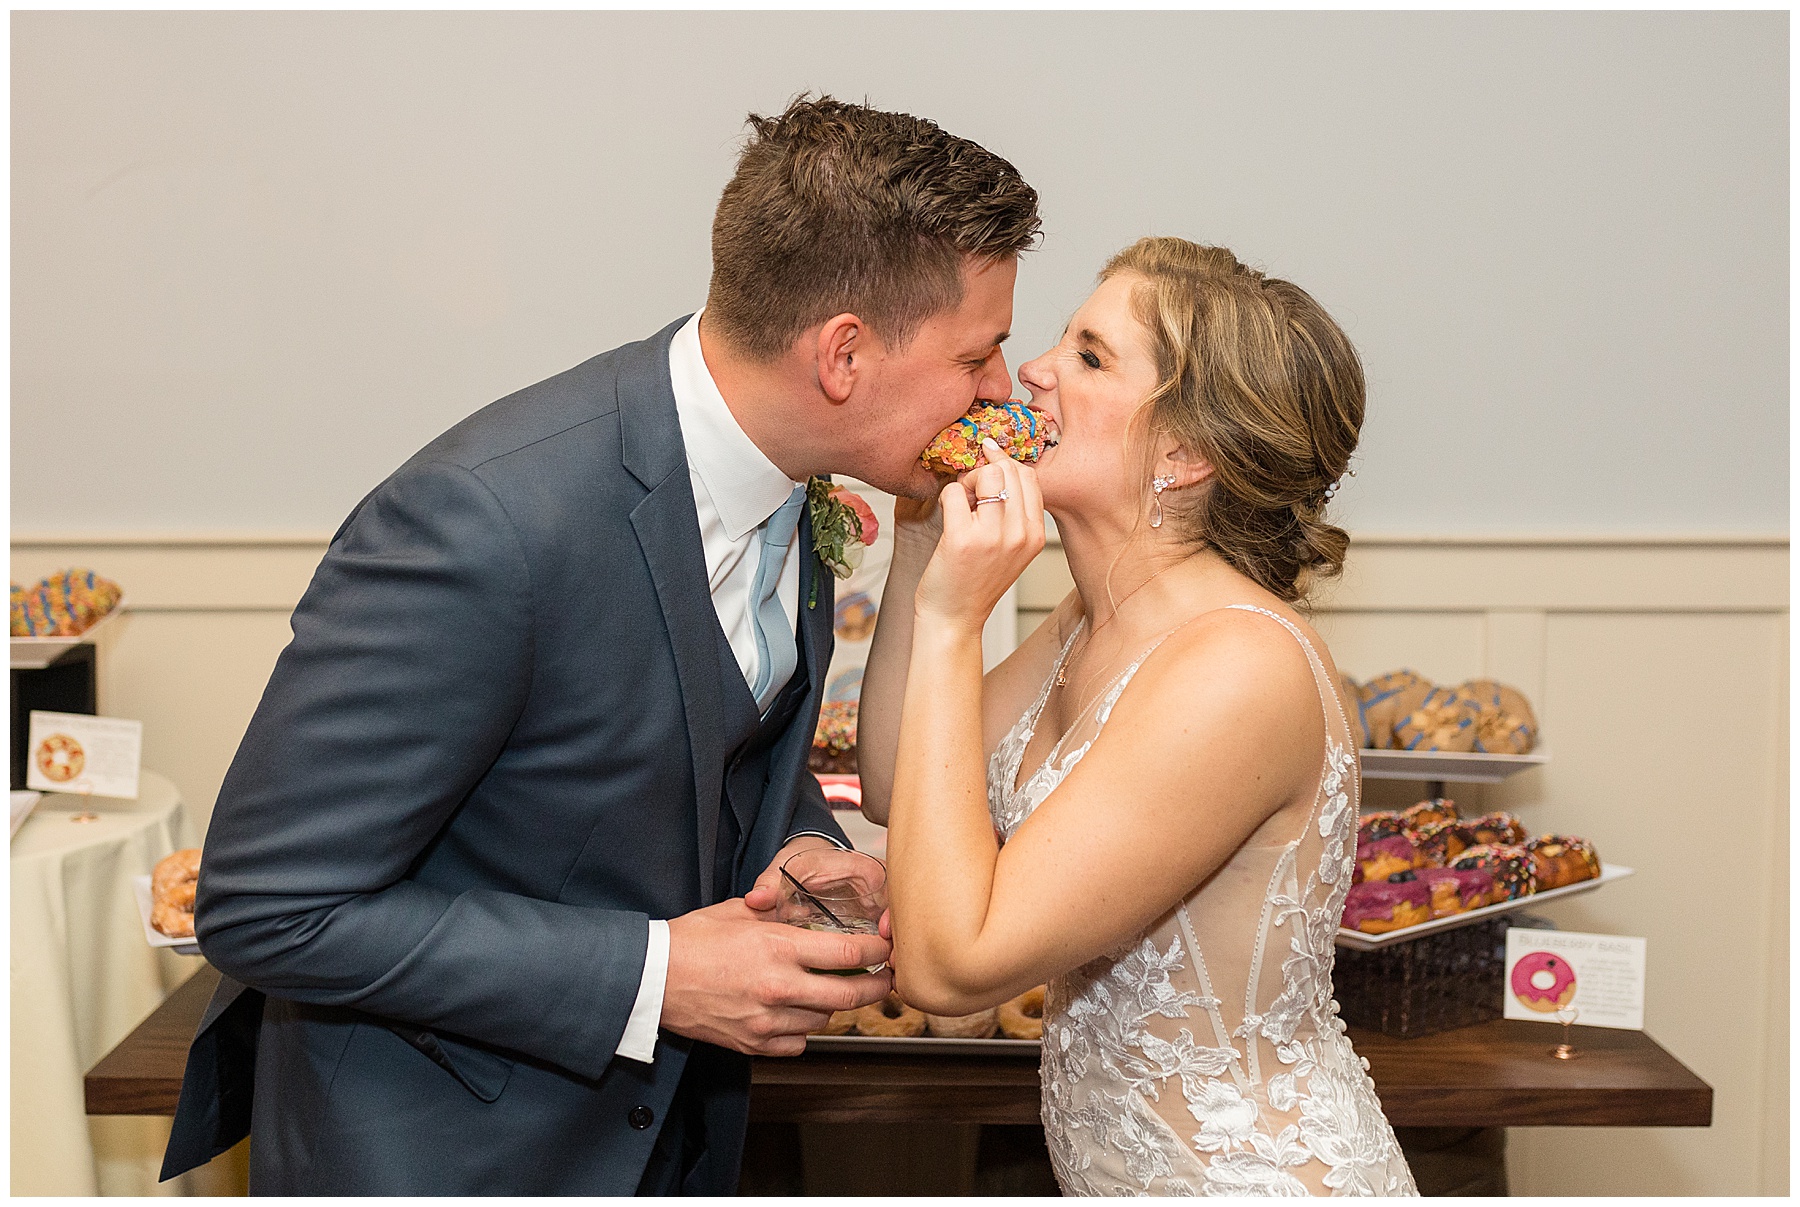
[(76, 753), (1553, 974)]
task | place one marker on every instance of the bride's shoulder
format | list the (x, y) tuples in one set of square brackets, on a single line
[(1249, 652)]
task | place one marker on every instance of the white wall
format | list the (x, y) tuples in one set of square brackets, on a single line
[(262, 257)]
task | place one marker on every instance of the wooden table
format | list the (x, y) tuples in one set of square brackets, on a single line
[(1497, 1074)]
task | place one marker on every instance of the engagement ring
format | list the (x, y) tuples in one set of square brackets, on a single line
[(999, 498)]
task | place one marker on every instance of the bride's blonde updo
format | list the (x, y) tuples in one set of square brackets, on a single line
[(1254, 376)]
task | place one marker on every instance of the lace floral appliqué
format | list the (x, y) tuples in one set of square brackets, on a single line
[(1152, 1082)]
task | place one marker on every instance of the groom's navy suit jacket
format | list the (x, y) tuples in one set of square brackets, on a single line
[(492, 751)]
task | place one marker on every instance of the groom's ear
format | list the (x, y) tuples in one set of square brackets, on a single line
[(841, 339)]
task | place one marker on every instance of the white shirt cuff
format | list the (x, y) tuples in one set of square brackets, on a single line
[(639, 1040), (835, 841)]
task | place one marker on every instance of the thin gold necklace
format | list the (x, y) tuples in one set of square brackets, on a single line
[(1062, 671)]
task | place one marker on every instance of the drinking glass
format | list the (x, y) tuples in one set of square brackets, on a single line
[(842, 891)]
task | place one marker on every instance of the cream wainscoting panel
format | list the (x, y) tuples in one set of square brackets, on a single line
[(1658, 666), (206, 619)]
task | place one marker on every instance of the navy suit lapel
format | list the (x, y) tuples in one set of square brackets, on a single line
[(815, 622), (668, 532)]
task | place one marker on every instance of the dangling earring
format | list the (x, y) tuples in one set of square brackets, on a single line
[(1159, 483)]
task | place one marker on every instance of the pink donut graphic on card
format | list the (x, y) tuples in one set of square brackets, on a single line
[(1543, 981)]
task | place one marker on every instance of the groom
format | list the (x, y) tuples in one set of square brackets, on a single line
[(489, 877)]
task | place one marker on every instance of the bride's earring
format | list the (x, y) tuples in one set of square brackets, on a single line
[(1159, 483)]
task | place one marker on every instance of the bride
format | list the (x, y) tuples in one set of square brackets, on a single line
[(1167, 826)]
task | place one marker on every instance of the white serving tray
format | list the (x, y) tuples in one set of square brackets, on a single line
[(1356, 940), (929, 1045), (35, 653), (140, 887), (1446, 765)]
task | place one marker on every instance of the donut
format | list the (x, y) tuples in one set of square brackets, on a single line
[(1387, 700), (979, 1025), (1441, 720), (170, 870), (172, 921), (1455, 892), (1375, 826), (1506, 724), (834, 741), (1383, 857), (891, 1017), (1393, 681), (1543, 981), (1023, 432), (840, 1023), (1353, 701), (1559, 860), (1427, 812), (1509, 865), (65, 604), (1496, 828), (1023, 1016), (854, 619), (173, 882), (1439, 842), (1378, 906)]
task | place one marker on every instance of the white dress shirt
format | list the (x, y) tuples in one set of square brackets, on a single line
[(736, 490)]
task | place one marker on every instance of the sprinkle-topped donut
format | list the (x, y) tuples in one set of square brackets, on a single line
[(1428, 811), (1023, 432), (1509, 865), (1497, 827), (1559, 859), (1376, 826), (1441, 841)]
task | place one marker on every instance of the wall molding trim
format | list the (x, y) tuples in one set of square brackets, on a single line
[(224, 538), (268, 572)]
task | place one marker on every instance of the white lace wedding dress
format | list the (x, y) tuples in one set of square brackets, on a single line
[(1205, 1055)]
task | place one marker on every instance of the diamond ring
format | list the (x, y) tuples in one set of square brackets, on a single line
[(999, 498)]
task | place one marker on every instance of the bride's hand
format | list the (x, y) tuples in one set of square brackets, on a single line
[(985, 545)]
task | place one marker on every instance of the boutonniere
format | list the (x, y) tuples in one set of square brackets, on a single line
[(843, 525)]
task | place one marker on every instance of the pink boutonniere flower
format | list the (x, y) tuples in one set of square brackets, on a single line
[(843, 525)]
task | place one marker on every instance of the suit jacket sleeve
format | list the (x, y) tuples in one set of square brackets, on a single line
[(811, 813), (411, 661)]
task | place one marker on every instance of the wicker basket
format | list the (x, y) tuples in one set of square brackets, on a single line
[(1437, 982)]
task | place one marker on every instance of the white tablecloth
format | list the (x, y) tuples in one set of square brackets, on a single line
[(82, 978)]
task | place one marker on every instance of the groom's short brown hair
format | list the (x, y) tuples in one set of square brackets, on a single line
[(839, 208)]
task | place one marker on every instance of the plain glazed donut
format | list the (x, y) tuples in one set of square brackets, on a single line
[(840, 1023), (173, 869), (979, 1025), (1023, 1016), (891, 1017)]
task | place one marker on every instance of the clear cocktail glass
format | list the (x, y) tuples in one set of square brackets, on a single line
[(831, 890)]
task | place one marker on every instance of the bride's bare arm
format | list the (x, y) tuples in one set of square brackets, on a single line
[(1178, 780), (1005, 692)]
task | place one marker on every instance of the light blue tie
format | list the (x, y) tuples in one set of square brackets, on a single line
[(774, 659)]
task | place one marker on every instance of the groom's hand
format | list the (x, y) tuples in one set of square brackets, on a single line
[(761, 896), (741, 982)]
